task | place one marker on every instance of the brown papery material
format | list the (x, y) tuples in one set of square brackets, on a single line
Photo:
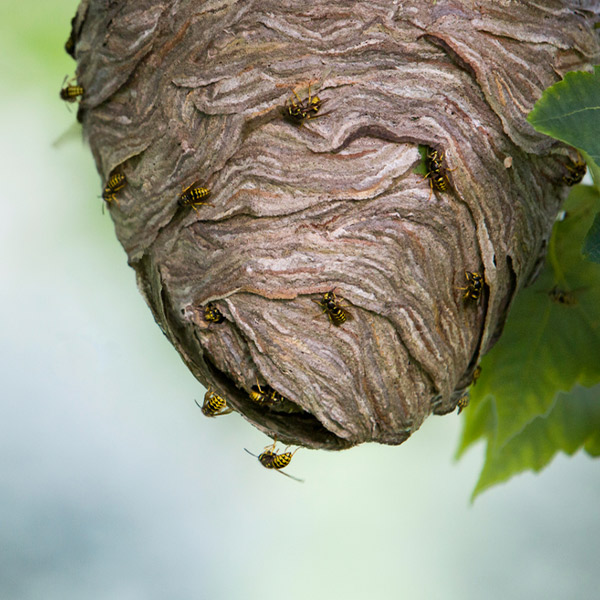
[(178, 92)]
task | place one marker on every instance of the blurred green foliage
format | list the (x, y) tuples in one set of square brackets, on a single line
[(32, 38), (531, 400), (569, 111), (591, 244), (551, 343)]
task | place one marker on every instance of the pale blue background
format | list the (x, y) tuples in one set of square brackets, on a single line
[(113, 486)]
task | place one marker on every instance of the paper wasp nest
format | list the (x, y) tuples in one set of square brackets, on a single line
[(184, 92)]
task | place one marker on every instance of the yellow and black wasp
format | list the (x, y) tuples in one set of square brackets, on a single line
[(70, 93), (436, 172), (276, 398), (474, 286), (266, 396), (302, 110), (259, 395), (115, 183), (463, 402), (269, 459), (193, 196), (331, 305), (214, 405), (577, 171), (212, 314)]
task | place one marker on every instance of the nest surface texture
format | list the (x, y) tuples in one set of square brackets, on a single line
[(186, 91)]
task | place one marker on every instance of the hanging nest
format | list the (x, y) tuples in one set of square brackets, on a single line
[(330, 190)]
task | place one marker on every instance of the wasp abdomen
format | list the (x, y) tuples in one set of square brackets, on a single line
[(71, 93), (214, 405), (115, 183)]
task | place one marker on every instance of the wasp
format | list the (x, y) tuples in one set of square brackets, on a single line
[(436, 172), (266, 396), (476, 374), (70, 46), (193, 195), (70, 93), (269, 459), (576, 172), (562, 296), (115, 183), (474, 286), (331, 305), (302, 110), (214, 405), (463, 402), (212, 314), (276, 398), (258, 395)]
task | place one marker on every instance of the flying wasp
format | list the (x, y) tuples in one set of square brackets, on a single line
[(269, 459), (214, 405), (212, 314), (115, 183), (70, 93), (576, 172), (331, 305), (436, 172), (193, 195), (302, 110), (474, 286)]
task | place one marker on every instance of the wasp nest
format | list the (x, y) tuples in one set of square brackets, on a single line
[(327, 290)]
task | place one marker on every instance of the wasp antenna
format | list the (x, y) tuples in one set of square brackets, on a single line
[(250, 453)]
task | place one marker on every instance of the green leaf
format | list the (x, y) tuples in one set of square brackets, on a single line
[(550, 343), (591, 244), (592, 446), (570, 111), (421, 168), (572, 423)]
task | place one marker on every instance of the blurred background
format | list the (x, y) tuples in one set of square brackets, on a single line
[(114, 486)]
